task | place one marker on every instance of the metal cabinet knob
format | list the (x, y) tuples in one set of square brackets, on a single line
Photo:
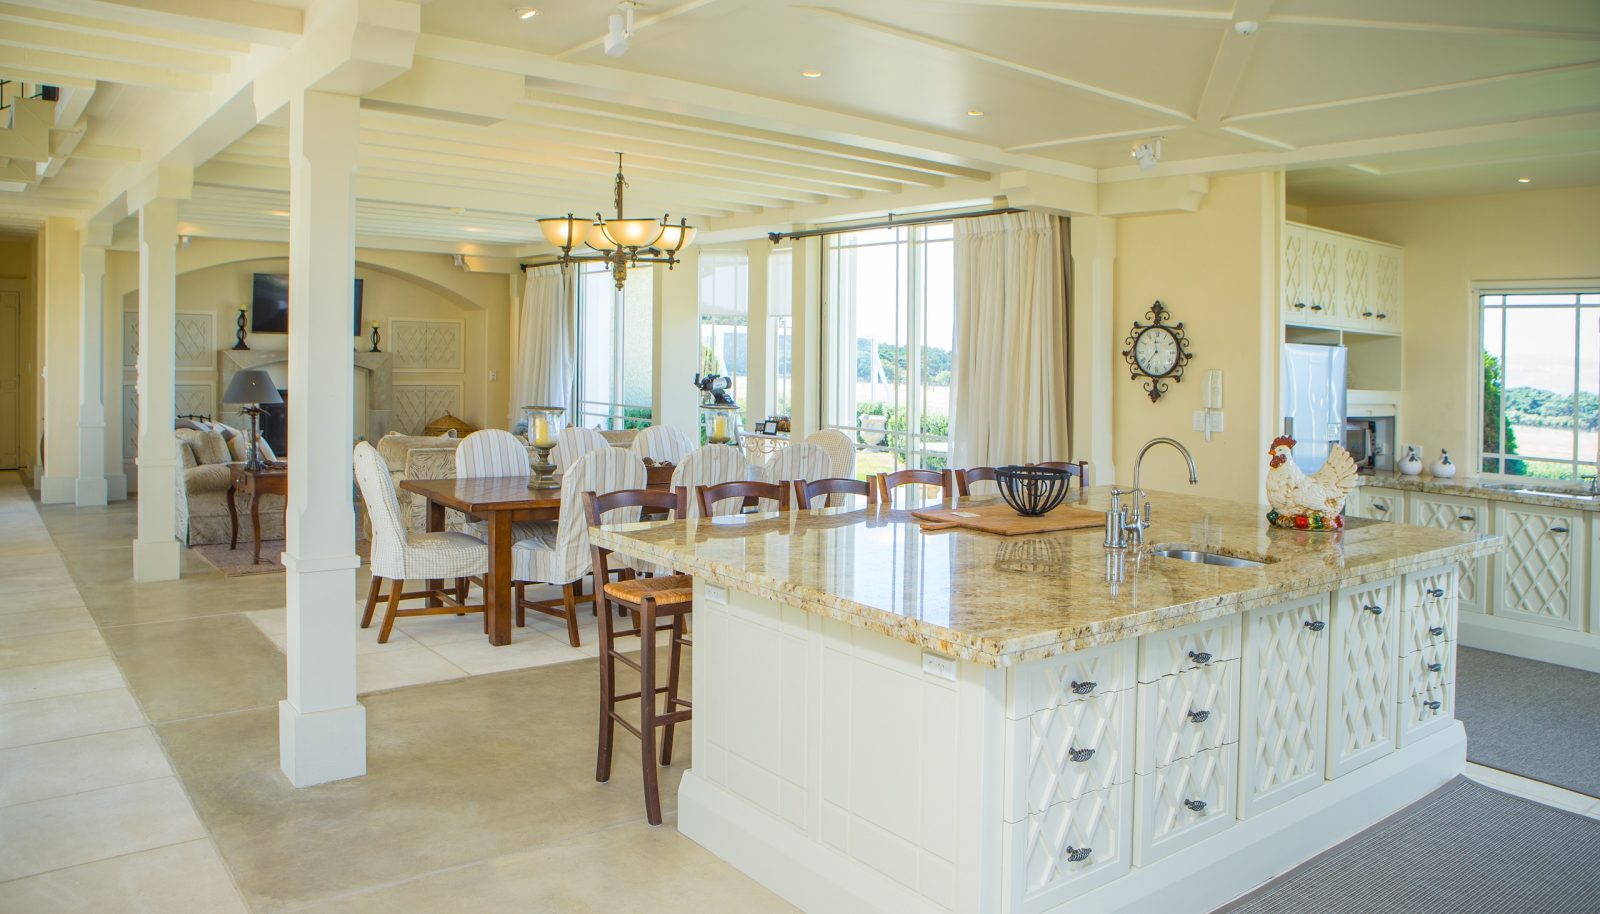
[(1432, 705), (1195, 805), (1466, 517), (1083, 688), (1378, 507), (1200, 656), (1316, 307), (1199, 717), (1435, 667), (1316, 625), (1436, 630), (1366, 314), (1436, 592), (1300, 304), (1375, 610), (1382, 316), (1080, 755), (1078, 854), (1558, 529)]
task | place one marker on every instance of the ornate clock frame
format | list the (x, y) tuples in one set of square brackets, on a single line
[(1156, 385)]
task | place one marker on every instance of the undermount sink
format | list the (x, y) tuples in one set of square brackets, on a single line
[(1548, 491), (1207, 558)]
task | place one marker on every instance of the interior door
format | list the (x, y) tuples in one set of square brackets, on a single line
[(10, 379)]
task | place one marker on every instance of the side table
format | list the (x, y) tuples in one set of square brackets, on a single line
[(255, 483)]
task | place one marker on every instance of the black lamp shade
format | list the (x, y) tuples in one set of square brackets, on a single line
[(252, 385)]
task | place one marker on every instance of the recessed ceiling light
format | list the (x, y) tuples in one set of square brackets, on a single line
[(811, 74), (974, 112), (458, 210), (525, 12), (277, 212), (1524, 180), (472, 228)]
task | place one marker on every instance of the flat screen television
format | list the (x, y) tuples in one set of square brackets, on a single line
[(269, 305)]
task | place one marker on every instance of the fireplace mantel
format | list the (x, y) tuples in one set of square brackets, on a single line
[(380, 386)]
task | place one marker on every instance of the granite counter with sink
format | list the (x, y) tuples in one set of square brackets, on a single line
[(1529, 492), (887, 719)]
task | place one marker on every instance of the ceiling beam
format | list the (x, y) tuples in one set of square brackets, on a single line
[(1098, 137), (52, 63), (90, 25), (236, 20), (1232, 60), (120, 50), (1104, 9), (1446, 28)]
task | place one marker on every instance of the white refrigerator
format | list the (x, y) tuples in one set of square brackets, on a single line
[(1314, 401)]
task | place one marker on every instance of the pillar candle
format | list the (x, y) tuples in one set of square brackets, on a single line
[(719, 427), (541, 432)]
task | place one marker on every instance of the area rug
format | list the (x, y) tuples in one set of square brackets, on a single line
[(1534, 719), (237, 562), (1463, 849)]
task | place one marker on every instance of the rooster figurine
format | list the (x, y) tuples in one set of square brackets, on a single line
[(1301, 502)]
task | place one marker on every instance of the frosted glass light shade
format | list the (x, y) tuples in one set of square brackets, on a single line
[(564, 232), (597, 238), (675, 238), (631, 233)]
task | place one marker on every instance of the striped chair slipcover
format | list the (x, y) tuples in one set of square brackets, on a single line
[(559, 554), (495, 452), (797, 461), (663, 444), (706, 466), (574, 443)]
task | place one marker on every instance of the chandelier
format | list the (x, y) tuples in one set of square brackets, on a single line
[(621, 242)]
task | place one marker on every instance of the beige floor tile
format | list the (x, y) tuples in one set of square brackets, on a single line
[(186, 877), (44, 622), (66, 677), (66, 766), (66, 831), (122, 602), (66, 716), (377, 672), (528, 649), (274, 623), (431, 630), (31, 649), (59, 597), (199, 666), (34, 578), (665, 873)]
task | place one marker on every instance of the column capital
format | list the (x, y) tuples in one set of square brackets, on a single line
[(165, 182), (96, 234)]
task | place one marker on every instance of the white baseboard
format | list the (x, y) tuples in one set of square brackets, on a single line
[(820, 879), (117, 487), (1531, 641), (58, 490)]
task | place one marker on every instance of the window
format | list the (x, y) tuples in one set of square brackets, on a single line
[(615, 358), (780, 334), (1541, 381), (725, 319), (890, 323)]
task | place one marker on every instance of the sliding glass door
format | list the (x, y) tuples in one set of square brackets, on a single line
[(615, 354)]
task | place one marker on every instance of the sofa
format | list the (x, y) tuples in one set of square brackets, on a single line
[(205, 450)]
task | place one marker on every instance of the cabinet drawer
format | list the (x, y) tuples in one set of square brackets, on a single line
[(1183, 803), (1379, 503), (1430, 668), (1071, 677), (1068, 849), (1425, 712), (1430, 591), (1181, 715), (1430, 626), (1189, 647), (1063, 753)]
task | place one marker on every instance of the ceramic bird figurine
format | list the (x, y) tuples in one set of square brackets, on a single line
[(1314, 502)]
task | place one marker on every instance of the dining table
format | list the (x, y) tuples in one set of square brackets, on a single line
[(500, 502)]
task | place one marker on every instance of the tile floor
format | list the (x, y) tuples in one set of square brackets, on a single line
[(138, 757)]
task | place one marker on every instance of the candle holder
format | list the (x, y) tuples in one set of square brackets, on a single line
[(238, 335), (542, 429), (720, 423), (375, 338)]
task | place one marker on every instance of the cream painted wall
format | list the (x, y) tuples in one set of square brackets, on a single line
[(1450, 243), (59, 291), (17, 263), (1216, 269)]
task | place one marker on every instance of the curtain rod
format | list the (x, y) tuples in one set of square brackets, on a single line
[(890, 222)]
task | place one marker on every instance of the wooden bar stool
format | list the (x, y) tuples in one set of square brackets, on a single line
[(838, 485), (752, 492), (648, 601)]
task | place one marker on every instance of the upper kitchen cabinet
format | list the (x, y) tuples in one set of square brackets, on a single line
[(1340, 281)]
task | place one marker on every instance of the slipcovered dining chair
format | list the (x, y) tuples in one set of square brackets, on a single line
[(559, 553), (798, 461), (707, 466), (841, 450), (663, 444), (495, 452), (573, 443), (398, 555)]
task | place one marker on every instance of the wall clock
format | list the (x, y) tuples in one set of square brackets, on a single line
[(1156, 351)]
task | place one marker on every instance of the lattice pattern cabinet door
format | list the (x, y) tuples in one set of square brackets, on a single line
[(1321, 287), (1387, 286), (1540, 576), (1284, 724), (1379, 504), (1294, 305), (1355, 299), (1069, 849), (1362, 675), (1469, 515)]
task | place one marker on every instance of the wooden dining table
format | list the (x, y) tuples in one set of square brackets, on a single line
[(500, 502)]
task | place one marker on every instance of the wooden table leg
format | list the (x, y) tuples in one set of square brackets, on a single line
[(435, 524), (233, 519), (255, 521), (497, 595)]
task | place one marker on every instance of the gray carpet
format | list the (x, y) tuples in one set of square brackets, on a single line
[(1463, 849), (1538, 720)]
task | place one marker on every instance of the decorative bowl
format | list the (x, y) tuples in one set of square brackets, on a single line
[(1032, 491)]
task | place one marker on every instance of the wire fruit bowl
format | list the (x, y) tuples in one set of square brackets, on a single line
[(1032, 491)]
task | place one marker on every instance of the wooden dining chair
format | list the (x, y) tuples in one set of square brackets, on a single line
[(647, 601), (1079, 469), (808, 489), (750, 491), (965, 478), (706, 466), (888, 482)]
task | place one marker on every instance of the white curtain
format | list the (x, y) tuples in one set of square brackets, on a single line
[(1010, 373), (544, 356)]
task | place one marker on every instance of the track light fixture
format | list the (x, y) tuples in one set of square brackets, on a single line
[(619, 29), (1148, 152)]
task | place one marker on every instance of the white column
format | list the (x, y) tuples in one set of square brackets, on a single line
[(155, 550), (758, 344), (806, 303), (58, 315), (91, 366), (322, 730), (1092, 341), (677, 341)]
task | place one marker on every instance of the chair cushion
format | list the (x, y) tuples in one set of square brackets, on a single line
[(445, 555), (394, 447), (673, 590), (212, 477)]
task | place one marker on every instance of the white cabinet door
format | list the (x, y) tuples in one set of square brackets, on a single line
[(1469, 515), (1362, 675), (1378, 503), (1284, 720), (1182, 804), (1183, 714), (1387, 287), (1065, 752), (1069, 849), (1355, 283), (1320, 287), (1540, 576), (1296, 310)]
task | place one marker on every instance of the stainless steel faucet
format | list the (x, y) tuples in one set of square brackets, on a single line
[(1125, 525)]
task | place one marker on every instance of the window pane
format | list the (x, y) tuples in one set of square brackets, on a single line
[(938, 344), (724, 320), (1558, 298), (1589, 390), (1539, 390), (615, 353), (1493, 378)]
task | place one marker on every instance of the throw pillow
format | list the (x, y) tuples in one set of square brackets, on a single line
[(188, 424), (186, 454), (264, 451), (212, 449), (238, 449)]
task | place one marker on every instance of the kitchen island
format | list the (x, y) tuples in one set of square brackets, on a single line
[(893, 720)]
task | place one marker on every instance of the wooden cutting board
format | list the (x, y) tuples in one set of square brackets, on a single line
[(1002, 519)]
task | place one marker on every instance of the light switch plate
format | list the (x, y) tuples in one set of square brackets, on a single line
[(939, 666)]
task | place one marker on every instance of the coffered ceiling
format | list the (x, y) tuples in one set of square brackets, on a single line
[(503, 118)]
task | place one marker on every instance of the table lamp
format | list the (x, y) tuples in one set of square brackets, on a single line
[(255, 387)]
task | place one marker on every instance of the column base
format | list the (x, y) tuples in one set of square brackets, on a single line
[(117, 487), (316, 747), (91, 492), (58, 490), (155, 561)]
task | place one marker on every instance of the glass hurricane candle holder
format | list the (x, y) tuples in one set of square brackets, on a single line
[(720, 423), (543, 426)]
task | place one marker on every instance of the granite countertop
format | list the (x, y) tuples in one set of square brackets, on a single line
[(999, 601), (1474, 487)]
